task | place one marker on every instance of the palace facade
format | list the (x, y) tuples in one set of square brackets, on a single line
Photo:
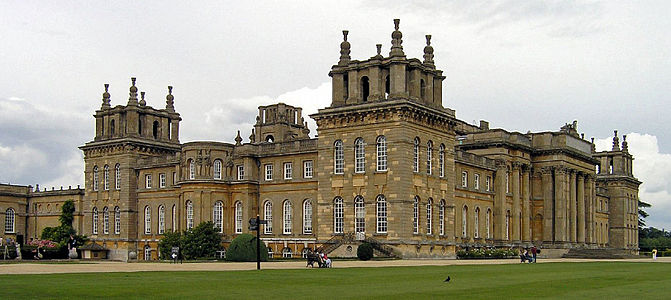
[(391, 165)]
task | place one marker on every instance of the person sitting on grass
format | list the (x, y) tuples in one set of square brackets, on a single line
[(524, 257)]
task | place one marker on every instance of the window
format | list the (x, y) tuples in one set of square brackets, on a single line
[(147, 180), (269, 172), (106, 177), (307, 169), (161, 219), (174, 218), (338, 158), (161, 180), (238, 217), (464, 223), (464, 179), (441, 217), (147, 220), (241, 172), (9, 220), (117, 220), (359, 215), (507, 225), (95, 178), (218, 216), (507, 182), (476, 223), (359, 156), (488, 183), (477, 181), (287, 170), (338, 215), (415, 156), (106, 221), (381, 214), (174, 178), (117, 177), (307, 217), (286, 212), (147, 252), (415, 216), (192, 169), (429, 150), (487, 222), (429, 216), (381, 153), (268, 217), (286, 253), (441, 160), (189, 214), (95, 220), (217, 169)]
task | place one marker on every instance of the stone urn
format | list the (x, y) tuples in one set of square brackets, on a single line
[(132, 255)]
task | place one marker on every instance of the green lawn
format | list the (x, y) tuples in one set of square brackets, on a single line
[(589, 280)]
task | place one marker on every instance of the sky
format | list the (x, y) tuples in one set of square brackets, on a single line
[(521, 65)]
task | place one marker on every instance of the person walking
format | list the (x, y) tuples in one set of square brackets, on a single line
[(654, 254), (534, 251)]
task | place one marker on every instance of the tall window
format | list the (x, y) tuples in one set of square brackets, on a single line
[(95, 220), (269, 172), (117, 177), (464, 179), (117, 220), (507, 225), (381, 214), (106, 177), (174, 218), (359, 156), (464, 221), (441, 217), (148, 180), (338, 215), (415, 156), (95, 178), (507, 182), (359, 215), (441, 160), (307, 169), (338, 157), (429, 150), (429, 216), (106, 221), (487, 223), (415, 215), (241, 172), (161, 180), (218, 216), (488, 183), (307, 217), (476, 223), (286, 212), (9, 220), (238, 217), (381, 153), (189, 214), (288, 170), (174, 178), (217, 169), (476, 178), (161, 219), (147, 220), (268, 217), (192, 169)]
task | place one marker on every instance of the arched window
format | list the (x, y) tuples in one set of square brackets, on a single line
[(217, 169), (307, 216), (268, 216), (507, 225), (270, 139), (429, 150), (155, 130), (415, 215), (174, 218), (147, 220), (338, 157), (238, 217), (441, 217), (161, 219), (189, 214), (218, 216), (147, 252), (338, 215), (117, 220), (95, 178), (415, 156), (464, 179), (441, 160), (9, 220), (359, 156), (106, 177), (381, 153), (381, 214), (365, 88), (476, 223), (192, 169), (386, 87), (429, 216), (95, 220), (286, 252), (286, 212), (106, 221), (117, 177), (488, 217), (359, 215), (464, 221)]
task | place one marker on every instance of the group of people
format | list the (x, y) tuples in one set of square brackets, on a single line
[(318, 257), (529, 255)]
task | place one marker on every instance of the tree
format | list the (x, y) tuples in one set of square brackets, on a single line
[(201, 242), (61, 234), (642, 214), (243, 248), (169, 240), (365, 251)]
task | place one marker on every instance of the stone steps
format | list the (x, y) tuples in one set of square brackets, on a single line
[(606, 253)]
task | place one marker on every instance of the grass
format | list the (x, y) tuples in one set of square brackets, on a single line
[(588, 280)]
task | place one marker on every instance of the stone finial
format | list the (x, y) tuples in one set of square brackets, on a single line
[(252, 137), (170, 100), (616, 142), (344, 49), (379, 52), (37, 187), (238, 139), (396, 40), (132, 99), (106, 97), (142, 102), (593, 146), (582, 136), (625, 145), (428, 51)]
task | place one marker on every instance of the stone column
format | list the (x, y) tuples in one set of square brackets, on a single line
[(592, 184), (572, 206), (500, 200), (516, 222), (526, 204), (580, 221), (548, 204), (560, 204)]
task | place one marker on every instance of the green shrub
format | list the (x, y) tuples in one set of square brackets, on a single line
[(365, 251), (201, 242), (169, 240), (243, 248)]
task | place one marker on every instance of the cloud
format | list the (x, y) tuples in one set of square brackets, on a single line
[(653, 168)]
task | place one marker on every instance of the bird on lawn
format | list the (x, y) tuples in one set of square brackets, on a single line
[(448, 279)]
